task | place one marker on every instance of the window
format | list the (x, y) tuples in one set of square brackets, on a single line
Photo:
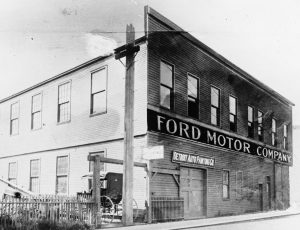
[(36, 111), (166, 85), (12, 172), (260, 126), (225, 184), (98, 91), (14, 118), (64, 108), (239, 184), (62, 167), (193, 97), (285, 137), (34, 184), (215, 106), (250, 122), (274, 132), (232, 113)]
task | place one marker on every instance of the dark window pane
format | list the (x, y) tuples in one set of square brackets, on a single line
[(193, 107)]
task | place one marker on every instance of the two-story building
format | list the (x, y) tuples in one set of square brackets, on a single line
[(226, 137)]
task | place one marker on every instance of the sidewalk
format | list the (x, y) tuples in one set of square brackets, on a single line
[(210, 221)]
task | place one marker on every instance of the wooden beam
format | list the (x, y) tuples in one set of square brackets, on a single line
[(166, 171)]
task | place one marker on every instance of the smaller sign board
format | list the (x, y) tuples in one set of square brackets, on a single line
[(192, 159), (153, 152)]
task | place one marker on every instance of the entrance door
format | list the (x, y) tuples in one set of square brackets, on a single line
[(193, 192)]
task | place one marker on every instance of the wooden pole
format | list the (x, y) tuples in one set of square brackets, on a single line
[(97, 191), (127, 218)]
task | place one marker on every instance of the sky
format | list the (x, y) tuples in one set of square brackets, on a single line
[(39, 39)]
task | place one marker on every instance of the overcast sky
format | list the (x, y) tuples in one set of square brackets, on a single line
[(39, 39)]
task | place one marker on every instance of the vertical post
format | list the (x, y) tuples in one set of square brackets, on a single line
[(127, 217), (97, 191)]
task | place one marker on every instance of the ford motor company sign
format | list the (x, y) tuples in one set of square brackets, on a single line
[(161, 123)]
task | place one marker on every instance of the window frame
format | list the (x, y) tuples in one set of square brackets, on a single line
[(68, 102), (103, 166), (196, 99), (36, 176), (250, 124), (13, 119), (35, 112), (226, 184), (218, 109), (9, 177), (274, 133), (92, 113), (59, 175), (233, 128), (260, 126), (172, 89)]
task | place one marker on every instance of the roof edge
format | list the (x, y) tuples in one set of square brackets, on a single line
[(241, 73), (76, 68)]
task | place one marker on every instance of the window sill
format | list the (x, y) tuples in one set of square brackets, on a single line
[(97, 114), (64, 122)]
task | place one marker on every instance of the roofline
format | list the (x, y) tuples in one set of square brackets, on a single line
[(76, 68), (241, 73)]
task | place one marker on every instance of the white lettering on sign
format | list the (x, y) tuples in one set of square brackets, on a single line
[(192, 159)]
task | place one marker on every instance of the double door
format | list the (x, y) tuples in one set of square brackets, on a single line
[(193, 190)]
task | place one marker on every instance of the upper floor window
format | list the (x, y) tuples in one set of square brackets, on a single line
[(12, 172), (64, 107), (98, 91), (36, 111), (274, 132), (34, 183), (232, 113), (166, 85), (62, 169), (14, 118), (215, 106), (193, 96), (260, 131), (250, 122), (285, 137)]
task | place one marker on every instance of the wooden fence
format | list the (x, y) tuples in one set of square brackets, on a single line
[(167, 209), (54, 208)]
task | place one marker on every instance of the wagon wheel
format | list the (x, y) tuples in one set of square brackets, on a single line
[(135, 209), (107, 210)]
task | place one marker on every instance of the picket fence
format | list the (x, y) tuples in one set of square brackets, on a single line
[(47, 207)]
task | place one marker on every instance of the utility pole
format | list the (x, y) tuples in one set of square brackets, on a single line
[(129, 51)]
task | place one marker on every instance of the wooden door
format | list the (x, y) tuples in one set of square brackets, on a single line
[(193, 191)]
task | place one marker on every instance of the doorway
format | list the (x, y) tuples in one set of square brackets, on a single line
[(193, 190)]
